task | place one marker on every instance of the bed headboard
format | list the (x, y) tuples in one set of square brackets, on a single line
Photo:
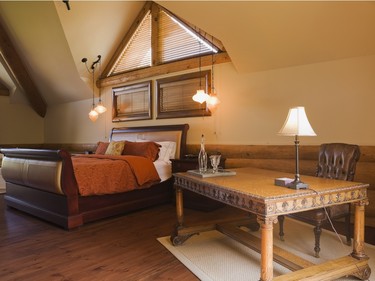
[(176, 133)]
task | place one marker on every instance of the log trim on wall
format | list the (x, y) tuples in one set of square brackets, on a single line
[(275, 157), (282, 158)]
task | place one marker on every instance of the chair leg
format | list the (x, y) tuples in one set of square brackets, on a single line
[(281, 227), (347, 225), (253, 226), (317, 233)]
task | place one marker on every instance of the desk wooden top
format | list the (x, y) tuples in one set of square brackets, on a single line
[(254, 190)]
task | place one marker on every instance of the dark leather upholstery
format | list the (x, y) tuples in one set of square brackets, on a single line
[(336, 161)]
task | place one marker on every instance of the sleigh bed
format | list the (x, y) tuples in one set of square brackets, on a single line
[(67, 189)]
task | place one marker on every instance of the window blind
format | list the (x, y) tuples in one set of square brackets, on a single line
[(177, 41), (174, 95), (133, 100), (137, 53)]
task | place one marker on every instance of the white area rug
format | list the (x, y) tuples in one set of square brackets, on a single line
[(212, 256)]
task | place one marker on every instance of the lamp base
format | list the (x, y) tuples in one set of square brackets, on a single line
[(297, 185)]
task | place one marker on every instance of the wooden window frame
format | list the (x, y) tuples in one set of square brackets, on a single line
[(116, 93), (201, 110)]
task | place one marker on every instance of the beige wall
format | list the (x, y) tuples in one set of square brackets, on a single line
[(19, 124), (339, 97)]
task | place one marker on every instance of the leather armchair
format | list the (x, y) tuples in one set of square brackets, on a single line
[(336, 161)]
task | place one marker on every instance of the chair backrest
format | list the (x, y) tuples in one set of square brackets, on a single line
[(338, 161)]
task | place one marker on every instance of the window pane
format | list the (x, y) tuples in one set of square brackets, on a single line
[(175, 95), (132, 102)]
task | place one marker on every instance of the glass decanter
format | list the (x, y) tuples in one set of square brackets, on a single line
[(202, 158)]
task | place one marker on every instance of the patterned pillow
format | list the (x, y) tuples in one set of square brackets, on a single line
[(102, 147), (115, 148), (149, 149)]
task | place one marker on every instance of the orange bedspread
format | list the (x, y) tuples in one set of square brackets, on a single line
[(107, 174)]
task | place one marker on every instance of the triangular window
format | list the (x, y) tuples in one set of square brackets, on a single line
[(170, 40), (137, 52), (177, 41)]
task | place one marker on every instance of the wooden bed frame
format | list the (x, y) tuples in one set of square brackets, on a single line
[(66, 207)]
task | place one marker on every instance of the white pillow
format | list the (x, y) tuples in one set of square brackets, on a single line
[(167, 150)]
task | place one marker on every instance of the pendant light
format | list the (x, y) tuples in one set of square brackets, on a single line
[(95, 111), (100, 108), (213, 101), (200, 96), (93, 114)]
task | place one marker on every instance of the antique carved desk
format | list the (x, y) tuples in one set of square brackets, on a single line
[(253, 190)]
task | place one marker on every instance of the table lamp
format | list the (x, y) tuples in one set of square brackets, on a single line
[(297, 124)]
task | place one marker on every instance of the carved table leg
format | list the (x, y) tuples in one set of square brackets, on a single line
[(176, 238), (179, 206), (359, 238), (266, 257), (281, 227), (359, 234)]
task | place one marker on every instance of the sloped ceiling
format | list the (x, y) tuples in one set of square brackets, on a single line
[(267, 35), (258, 36)]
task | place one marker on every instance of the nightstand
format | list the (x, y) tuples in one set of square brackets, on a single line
[(193, 200)]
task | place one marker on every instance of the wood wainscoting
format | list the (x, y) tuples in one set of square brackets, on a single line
[(282, 158), (275, 157)]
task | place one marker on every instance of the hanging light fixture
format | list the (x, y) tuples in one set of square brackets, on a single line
[(200, 96), (213, 101), (93, 115), (100, 108), (95, 111)]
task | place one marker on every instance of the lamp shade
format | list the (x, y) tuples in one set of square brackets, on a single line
[(297, 124), (93, 115), (212, 102), (100, 108), (200, 96)]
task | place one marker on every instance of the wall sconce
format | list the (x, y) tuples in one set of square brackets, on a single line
[(100, 108), (297, 124)]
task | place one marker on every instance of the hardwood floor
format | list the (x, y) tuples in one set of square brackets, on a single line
[(120, 248)]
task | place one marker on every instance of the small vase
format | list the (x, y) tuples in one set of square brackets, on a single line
[(202, 158)]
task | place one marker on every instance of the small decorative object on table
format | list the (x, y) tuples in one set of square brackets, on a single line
[(283, 181), (215, 161), (202, 157), (211, 174)]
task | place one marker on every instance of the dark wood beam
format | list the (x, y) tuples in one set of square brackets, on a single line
[(4, 91), (20, 73)]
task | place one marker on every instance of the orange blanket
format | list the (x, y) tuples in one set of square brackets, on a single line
[(107, 174)]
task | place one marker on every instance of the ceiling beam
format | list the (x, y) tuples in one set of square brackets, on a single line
[(20, 73), (4, 91)]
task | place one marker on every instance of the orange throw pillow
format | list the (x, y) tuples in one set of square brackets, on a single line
[(149, 150), (101, 148)]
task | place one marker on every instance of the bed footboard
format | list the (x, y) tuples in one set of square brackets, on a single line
[(42, 183)]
